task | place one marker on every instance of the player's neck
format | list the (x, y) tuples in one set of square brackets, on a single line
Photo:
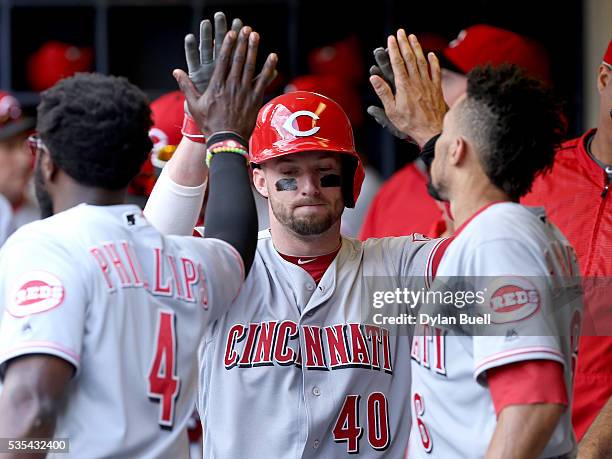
[(466, 202), (289, 243), (73, 194), (600, 146)]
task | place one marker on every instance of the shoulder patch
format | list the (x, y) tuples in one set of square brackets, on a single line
[(513, 299), (36, 291)]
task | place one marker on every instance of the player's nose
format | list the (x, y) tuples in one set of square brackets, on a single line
[(310, 185)]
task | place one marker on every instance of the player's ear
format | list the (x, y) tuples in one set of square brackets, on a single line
[(457, 151), (604, 77), (259, 181), (47, 166)]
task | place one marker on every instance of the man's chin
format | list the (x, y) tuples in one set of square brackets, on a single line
[(311, 226), (435, 193)]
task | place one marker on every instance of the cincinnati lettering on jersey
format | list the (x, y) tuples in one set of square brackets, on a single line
[(428, 348), (332, 347), (180, 278)]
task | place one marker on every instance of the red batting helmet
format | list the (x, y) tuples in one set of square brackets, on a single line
[(306, 121)]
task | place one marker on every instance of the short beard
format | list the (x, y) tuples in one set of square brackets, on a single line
[(304, 226), (435, 192), (42, 195)]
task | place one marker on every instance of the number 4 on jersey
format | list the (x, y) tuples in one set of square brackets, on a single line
[(164, 384)]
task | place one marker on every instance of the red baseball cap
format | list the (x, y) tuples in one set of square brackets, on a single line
[(484, 44), (608, 56), (11, 121), (55, 60), (334, 88)]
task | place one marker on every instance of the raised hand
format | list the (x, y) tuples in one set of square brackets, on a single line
[(201, 59), (233, 96), (417, 107), (383, 70)]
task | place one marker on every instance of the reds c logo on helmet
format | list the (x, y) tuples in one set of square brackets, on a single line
[(304, 121)]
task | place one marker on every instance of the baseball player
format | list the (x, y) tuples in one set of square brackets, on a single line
[(506, 394), (103, 314), (294, 368), (15, 164)]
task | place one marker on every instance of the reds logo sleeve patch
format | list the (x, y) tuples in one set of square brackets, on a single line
[(36, 291), (513, 299)]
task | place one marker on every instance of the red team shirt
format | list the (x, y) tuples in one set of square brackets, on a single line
[(575, 197)]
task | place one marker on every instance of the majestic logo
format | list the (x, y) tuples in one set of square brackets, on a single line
[(288, 126), (514, 299), (37, 291)]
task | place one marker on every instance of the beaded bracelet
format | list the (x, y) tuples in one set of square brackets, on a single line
[(226, 146)]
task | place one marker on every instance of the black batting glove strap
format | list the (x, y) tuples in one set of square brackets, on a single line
[(226, 135), (428, 150)]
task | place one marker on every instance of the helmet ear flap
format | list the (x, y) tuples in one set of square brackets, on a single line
[(349, 168)]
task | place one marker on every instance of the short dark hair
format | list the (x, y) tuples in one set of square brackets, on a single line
[(96, 128), (515, 121)]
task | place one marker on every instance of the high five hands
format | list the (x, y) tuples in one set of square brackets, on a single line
[(410, 89), (232, 97)]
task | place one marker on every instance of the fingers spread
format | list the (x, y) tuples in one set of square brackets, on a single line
[(186, 86), (206, 45), (239, 54), (220, 31), (267, 75), (375, 70), (191, 53), (236, 25), (381, 55), (420, 57), (383, 91), (436, 73), (397, 64), (222, 59), (251, 59), (407, 54)]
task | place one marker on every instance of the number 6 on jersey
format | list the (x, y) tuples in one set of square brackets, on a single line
[(164, 384)]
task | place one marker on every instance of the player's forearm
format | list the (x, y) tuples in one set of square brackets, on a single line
[(187, 166), (176, 199), (236, 224), (597, 443), (524, 430), (26, 414)]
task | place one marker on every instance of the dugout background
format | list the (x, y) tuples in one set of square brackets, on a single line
[(143, 40)]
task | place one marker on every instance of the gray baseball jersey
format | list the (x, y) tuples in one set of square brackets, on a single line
[(293, 370), (100, 288), (530, 268)]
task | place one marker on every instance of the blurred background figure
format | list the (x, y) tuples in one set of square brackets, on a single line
[(341, 59), (55, 60), (16, 161), (167, 113), (403, 206), (576, 195)]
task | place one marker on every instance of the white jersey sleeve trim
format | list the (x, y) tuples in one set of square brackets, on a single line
[(518, 355), (41, 347), (174, 208), (429, 275)]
